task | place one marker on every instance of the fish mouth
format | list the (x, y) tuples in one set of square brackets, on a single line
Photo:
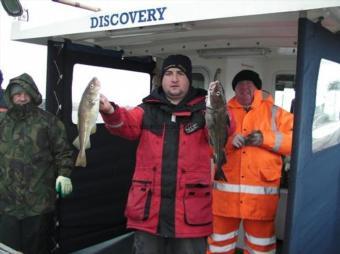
[(96, 83), (212, 87)]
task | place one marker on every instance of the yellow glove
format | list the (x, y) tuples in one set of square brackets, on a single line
[(63, 186)]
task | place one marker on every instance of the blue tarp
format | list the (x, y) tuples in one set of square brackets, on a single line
[(314, 196)]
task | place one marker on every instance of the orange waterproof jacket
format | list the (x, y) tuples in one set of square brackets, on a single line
[(254, 173)]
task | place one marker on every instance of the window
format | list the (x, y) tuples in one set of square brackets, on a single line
[(126, 88), (284, 95), (200, 77), (284, 90), (326, 121)]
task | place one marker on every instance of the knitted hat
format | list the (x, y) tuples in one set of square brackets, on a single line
[(181, 62), (247, 75)]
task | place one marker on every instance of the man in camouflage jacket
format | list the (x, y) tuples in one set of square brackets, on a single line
[(34, 152)]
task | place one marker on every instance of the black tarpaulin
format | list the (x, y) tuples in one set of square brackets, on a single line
[(95, 210)]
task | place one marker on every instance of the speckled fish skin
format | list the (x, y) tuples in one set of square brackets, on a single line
[(87, 116), (217, 122)]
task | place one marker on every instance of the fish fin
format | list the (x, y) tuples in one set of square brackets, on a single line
[(223, 159), (215, 159), (88, 144), (81, 160), (211, 142), (76, 143), (219, 160), (217, 75), (219, 175), (94, 129)]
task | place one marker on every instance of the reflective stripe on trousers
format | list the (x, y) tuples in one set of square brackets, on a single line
[(221, 249), (229, 247), (251, 251), (259, 236), (223, 237)]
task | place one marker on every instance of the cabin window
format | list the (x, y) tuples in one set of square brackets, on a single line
[(326, 121), (284, 96), (125, 88), (284, 91), (200, 77)]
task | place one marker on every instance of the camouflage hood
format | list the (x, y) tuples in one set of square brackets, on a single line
[(28, 84)]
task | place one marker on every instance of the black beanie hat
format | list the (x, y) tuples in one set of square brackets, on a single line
[(181, 62), (247, 75)]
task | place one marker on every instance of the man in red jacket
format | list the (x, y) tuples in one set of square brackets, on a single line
[(169, 203)]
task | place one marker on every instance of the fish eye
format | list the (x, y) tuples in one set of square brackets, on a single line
[(92, 85)]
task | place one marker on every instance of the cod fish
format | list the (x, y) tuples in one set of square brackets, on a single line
[(217, 123), (88, 111)]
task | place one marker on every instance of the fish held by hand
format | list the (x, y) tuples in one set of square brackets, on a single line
[(88, 111), (217, 121)]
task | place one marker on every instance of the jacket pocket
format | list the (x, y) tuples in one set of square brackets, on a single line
[(197, 204), (270, 175), (139, 200)]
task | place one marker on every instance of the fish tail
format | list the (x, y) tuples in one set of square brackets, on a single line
[(81, 160), (219, 174)]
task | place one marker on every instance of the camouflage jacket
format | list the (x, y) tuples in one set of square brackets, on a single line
[(34, 150)]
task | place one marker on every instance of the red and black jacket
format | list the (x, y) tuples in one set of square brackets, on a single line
[(170, 193)]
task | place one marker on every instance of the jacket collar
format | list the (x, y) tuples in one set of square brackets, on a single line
[(193, 101)]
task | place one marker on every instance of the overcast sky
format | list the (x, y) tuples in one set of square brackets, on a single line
[(18, 57)]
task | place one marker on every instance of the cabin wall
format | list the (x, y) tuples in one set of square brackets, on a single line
[(276, 66), (267, 68), (211, 65)]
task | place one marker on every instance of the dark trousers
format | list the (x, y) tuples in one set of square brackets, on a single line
[(146, 243), (29, 235)]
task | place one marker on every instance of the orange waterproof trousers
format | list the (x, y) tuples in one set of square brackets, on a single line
[(259, 236)]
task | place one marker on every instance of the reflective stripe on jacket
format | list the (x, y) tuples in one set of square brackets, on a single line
[(171, 188), (254, 173)]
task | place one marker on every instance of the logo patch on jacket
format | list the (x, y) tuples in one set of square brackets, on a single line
[(191, 127)]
